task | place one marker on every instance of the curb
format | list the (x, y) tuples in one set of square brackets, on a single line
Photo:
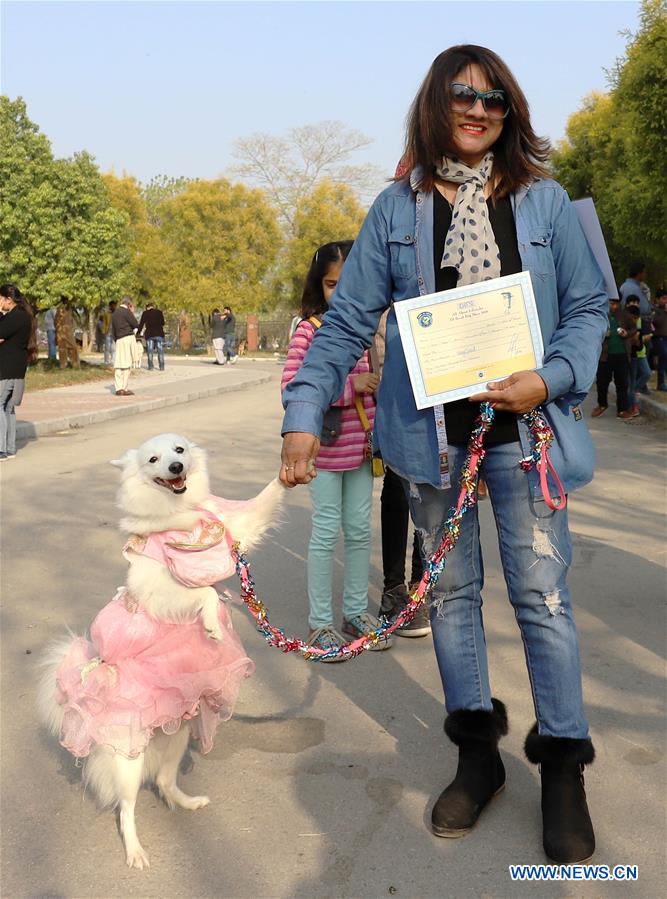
[(30, 430), (649, 407)]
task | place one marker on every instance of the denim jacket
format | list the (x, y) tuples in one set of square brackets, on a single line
[(392, 259)]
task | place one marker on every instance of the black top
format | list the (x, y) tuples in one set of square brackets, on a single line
[(152, 320), (460, 415), (123, 323), (15, 328), (229, 324), (218, 326)]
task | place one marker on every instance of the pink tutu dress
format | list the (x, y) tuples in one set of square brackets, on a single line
[(137, 673)]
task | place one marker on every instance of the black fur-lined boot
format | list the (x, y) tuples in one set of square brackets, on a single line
[(480, 773), (568, 831)]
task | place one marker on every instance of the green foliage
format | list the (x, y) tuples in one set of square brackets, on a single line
[(330, 212), (217, 241), (58, 232), (615, 149)]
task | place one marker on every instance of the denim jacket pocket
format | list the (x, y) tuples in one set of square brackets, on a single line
[(403, 255), (542, 260)]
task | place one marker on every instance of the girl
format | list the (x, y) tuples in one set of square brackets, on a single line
[(342, 491)]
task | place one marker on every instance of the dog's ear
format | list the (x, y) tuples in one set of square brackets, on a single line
[(127, 459)]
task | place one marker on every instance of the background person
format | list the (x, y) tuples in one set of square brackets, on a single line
[(229, 330), (614, 364), (151, 325), (660, 338), (218, 337), (109, 347), (124, 327), (635, 285), (479, 203), (17, 349), (50, 328), (640, 371), (342, 493)]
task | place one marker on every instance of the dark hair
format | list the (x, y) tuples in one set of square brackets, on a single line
[(636, 268), (227, 309), (519, 154), (11, 292), (660, 292), (312, 299), (216, 311)]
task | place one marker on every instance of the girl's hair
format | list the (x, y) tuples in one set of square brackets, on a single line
[(519, 154), (312, 300), (11, 292)]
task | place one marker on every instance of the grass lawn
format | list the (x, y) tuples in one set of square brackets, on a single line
[(46, 374)]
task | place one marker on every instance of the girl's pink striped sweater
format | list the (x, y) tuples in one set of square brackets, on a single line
[(347, 451)]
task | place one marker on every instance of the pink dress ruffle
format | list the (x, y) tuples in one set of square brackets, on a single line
[(154, 674)]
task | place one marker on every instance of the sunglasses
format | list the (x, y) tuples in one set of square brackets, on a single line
[(463, 97)]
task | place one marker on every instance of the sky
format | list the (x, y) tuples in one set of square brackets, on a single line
[(160, 87)]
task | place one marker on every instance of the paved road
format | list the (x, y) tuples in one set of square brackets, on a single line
[(323, 781)]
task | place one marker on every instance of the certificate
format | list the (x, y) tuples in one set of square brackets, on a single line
[(457, 340)]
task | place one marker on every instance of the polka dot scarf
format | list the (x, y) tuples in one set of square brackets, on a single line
[(470, 245)]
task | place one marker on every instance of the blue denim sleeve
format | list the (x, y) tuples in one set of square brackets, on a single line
[(571, 358), (362, 295)]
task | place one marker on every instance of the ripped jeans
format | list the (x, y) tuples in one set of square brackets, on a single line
[(536, 551)]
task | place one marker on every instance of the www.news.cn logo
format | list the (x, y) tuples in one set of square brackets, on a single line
[(574, 872)]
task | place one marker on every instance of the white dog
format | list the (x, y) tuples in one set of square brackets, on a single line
[(163, 651)]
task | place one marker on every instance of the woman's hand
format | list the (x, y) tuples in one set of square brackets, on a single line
[(521, 392), (298, 456), (366, 383)]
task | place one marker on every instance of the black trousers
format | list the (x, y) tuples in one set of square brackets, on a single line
[(616, 367), (395, 516)]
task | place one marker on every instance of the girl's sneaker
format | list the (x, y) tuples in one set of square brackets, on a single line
[(327, 638), (361, 626)]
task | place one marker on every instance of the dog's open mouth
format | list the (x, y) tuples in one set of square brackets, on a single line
[(176, 485)]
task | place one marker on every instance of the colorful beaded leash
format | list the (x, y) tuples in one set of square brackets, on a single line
[(542, 436)]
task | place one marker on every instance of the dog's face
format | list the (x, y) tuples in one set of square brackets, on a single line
[(160, 470)]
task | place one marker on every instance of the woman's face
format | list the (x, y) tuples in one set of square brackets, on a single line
[(473, 132), (330, 280)]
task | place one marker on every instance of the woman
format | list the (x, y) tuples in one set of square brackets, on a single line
[(471, 147), (17, 348)]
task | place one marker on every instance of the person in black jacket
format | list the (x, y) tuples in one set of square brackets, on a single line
[(151, 325), (15, 348)]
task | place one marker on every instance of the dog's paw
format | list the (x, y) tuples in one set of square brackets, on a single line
[(195, 802), (214, 633), (136, 858)]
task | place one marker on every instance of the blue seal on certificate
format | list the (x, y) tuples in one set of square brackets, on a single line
[(425, 319)]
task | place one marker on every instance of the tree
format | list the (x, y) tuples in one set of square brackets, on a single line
[(614, 149), (58, 232), (127, 195), (217, 241), (288, 168), (330, 212), (159, 189)]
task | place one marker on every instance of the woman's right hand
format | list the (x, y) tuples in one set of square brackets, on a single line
[(298, 456), (366, 383)]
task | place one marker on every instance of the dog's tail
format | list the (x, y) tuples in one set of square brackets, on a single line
[(251, 522), (49, 710)]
